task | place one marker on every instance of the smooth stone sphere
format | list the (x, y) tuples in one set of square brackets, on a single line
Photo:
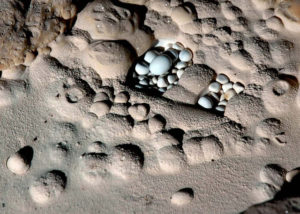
[(222, 78), (178, 46), (238, 87), (154, 80), (223, 103), (160, 65), (222, 97), (163, 90), (185, 55), (179, 73), (206, 102), (227, 86), (161, 82), (150, 55), (172, 78), (180, 65), (220, 108), (214, 87), (141, 69)]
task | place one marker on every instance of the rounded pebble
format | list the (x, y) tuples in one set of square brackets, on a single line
[(179, 73), (162, 82), (185, 55), (182, 197), (156, 123), (227, 86), (222, 78), (169, 87), (163, 90), (222, 97), (205, 102), (138, 112), (101, 96), (178, 46), (220, 108), (48, 187), (214, 87), (100, 108), (154, 80), (180, 65), (138, 86), (238, 87), (150, 55), (223, 103), (229, 94), (143, 82), (121, 97), (19, 163), (141, 69), (160, 65), (172, 78)]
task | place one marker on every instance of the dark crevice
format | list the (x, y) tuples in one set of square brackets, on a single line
[(26, 153)]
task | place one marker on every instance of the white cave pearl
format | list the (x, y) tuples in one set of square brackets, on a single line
[(205, 102), (160, 65), (214, 87), (150, 55), (185, 55), (141, 69), (222, 78)]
